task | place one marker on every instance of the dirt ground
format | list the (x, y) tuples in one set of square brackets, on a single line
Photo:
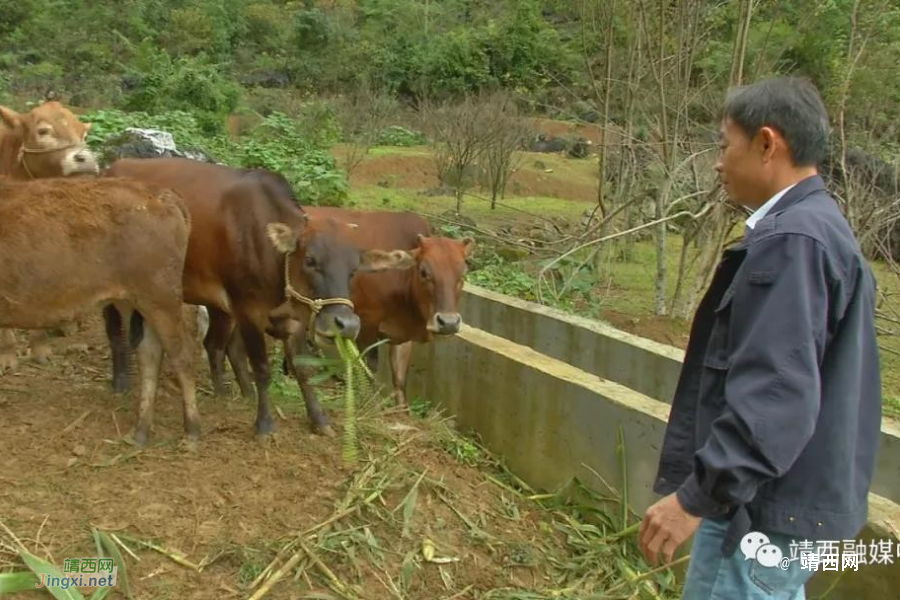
[(236, 502), (659, 329)]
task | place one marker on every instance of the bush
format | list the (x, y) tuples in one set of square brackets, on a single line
[(278, 143), (283, 145), (399, 136)]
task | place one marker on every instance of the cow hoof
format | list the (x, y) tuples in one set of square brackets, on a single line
[(136, 438), (324, 430), (265, 428), (189, 444), (120, 385), (8, 362)]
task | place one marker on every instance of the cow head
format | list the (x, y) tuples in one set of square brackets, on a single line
[(437, 281), (53, 141), (322, 257)]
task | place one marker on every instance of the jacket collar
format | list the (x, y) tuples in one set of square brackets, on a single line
[(798, 193), (802, 190)]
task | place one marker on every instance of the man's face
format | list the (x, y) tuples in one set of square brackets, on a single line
[(742, 165)]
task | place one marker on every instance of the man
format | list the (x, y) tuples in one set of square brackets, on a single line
[(776, 419)]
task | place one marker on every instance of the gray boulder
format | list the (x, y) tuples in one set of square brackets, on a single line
[(134, 142)]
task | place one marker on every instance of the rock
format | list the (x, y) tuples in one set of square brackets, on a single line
[(547, 144), (147, 143), (580, 148)]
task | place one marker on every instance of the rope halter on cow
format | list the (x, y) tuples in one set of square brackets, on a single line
[(23, 151), (315, 305)]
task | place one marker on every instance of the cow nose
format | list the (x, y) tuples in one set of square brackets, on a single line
[(448, 323), (80, 158), (347, 325)]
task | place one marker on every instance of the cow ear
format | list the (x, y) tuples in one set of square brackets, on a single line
[(419, 239), (11, 118), (468, 246), (87, 129), (379, 260), (282, 236)]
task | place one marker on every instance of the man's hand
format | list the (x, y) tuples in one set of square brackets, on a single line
[(666, 526)]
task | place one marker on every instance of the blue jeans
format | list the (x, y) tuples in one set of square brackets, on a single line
[(712, 576)]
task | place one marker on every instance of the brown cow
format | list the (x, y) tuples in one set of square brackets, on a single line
[(403, 305), (246, 226), (47, 141), (69, 246)]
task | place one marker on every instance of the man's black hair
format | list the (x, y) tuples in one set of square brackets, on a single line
[(792, 106)]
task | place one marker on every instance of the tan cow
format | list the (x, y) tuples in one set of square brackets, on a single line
[(47, 141), (71, 247)]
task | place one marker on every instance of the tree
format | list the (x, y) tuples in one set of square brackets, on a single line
[(504, 135), (459, 134)]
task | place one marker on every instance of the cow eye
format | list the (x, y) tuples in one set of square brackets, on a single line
[(310, 262), (423, 272), (43, 130)]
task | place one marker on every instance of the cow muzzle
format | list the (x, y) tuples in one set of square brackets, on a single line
[(80, 161), (337, 322), (445, 323)]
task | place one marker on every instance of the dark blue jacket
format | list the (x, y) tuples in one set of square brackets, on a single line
[(776, 419)]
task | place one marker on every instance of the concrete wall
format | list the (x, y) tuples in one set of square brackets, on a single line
[(551, 420), (545, 417), (638, 363), (643, 365)]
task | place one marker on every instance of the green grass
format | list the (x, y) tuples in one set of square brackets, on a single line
[(477, 208), (580, 170), (376, 151)]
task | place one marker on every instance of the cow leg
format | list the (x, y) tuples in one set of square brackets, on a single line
[(296, 344), (255, 343), (149, 354), (401, 355), (39, 340), (164, 331), (118, 342), (8, 359), (220, 329), (237, 358)]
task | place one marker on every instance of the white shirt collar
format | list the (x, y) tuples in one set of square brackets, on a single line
[(763, 210)]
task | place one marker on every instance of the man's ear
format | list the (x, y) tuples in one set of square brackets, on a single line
[(769, 139), (282, 237), (380, 260), (10, 118)]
